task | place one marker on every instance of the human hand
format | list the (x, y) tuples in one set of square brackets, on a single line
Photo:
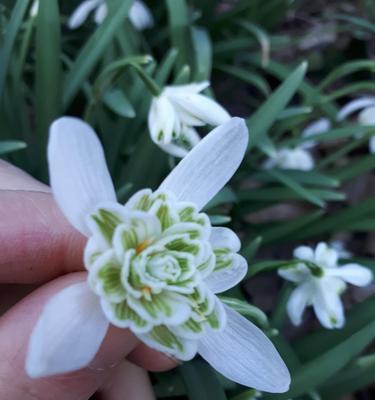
[(40, 250)]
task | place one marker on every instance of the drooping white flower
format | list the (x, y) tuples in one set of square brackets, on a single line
[(297, 158), (320, 282), (366, 117), (154, 264), (317, 127), (174, 114), (34, 9), (139, 14)]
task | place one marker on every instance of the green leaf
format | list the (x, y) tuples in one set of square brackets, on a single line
[(14, 24), (202, 54), (117, 102), (179, 23), (249, 251), (259, 125), (48, 69), (296, 187), (94, 49), (312, 374), (255, 314), (201, 381), (8, 146)]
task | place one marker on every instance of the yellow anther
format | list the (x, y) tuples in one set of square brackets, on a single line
[(142, 246)]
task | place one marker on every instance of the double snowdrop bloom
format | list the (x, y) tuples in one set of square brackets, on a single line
[(139, 14), (366, 117), (320, 282), (154, 264), (297, 158), (176, 112)]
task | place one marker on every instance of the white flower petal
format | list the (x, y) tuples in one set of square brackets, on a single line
[(304, 253), (68, 334), (298, 301), (372, 144), (81, 13), (194, 87), (315, 128), (161, 120), (101, 13), (78, 172), (354, 106), (244, 354), (223, 279), (326, 256), (367, 116), (210, 165), (225, 237), (295, 273), (140, 16), (201, 107), (327, 305), (352, 273)]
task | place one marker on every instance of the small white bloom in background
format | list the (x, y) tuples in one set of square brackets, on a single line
[(139, 14), (320, 282), (366, 117), (176, 112), (34, 9), (154, 264), (297, 158), (321, 125)]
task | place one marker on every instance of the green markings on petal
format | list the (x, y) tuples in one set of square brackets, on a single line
[(156, 305), (123, 312), (110, 277), (213, 320), (107, 222), (129, 239), (165, 216), (166, 338), (224, 258), (144, 203), (183, 245)]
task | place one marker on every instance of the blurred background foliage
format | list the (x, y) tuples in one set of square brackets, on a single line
[(254, 52)]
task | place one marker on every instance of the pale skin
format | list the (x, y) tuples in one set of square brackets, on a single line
[(41, 253)]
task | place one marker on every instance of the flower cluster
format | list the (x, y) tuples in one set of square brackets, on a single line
[(176, 112), (154, 264), (139, 14), (297, 158), (320, 282)]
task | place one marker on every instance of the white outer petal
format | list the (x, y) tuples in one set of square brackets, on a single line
[(244, 354), (367, 116), (327, 305), (161, 118), (297, 273), (225, 237), (326, 256), (140, 15), (225, 278), (210, 165), (201, 107), (78, 172), (304, 253), (101, 13), (355, 105), (194, 87), (298, 301), (81, 13), (352, 273), (372, 144), (315, 128), (68, 333)]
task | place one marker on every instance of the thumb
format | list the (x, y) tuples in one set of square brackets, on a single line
[(15, 331)]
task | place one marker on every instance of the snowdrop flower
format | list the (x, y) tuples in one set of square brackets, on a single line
[(139, 14), (154, 264), (285, 158), (176, 111), (34, 9), (366, 116), (315, 128), (320, 281)]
